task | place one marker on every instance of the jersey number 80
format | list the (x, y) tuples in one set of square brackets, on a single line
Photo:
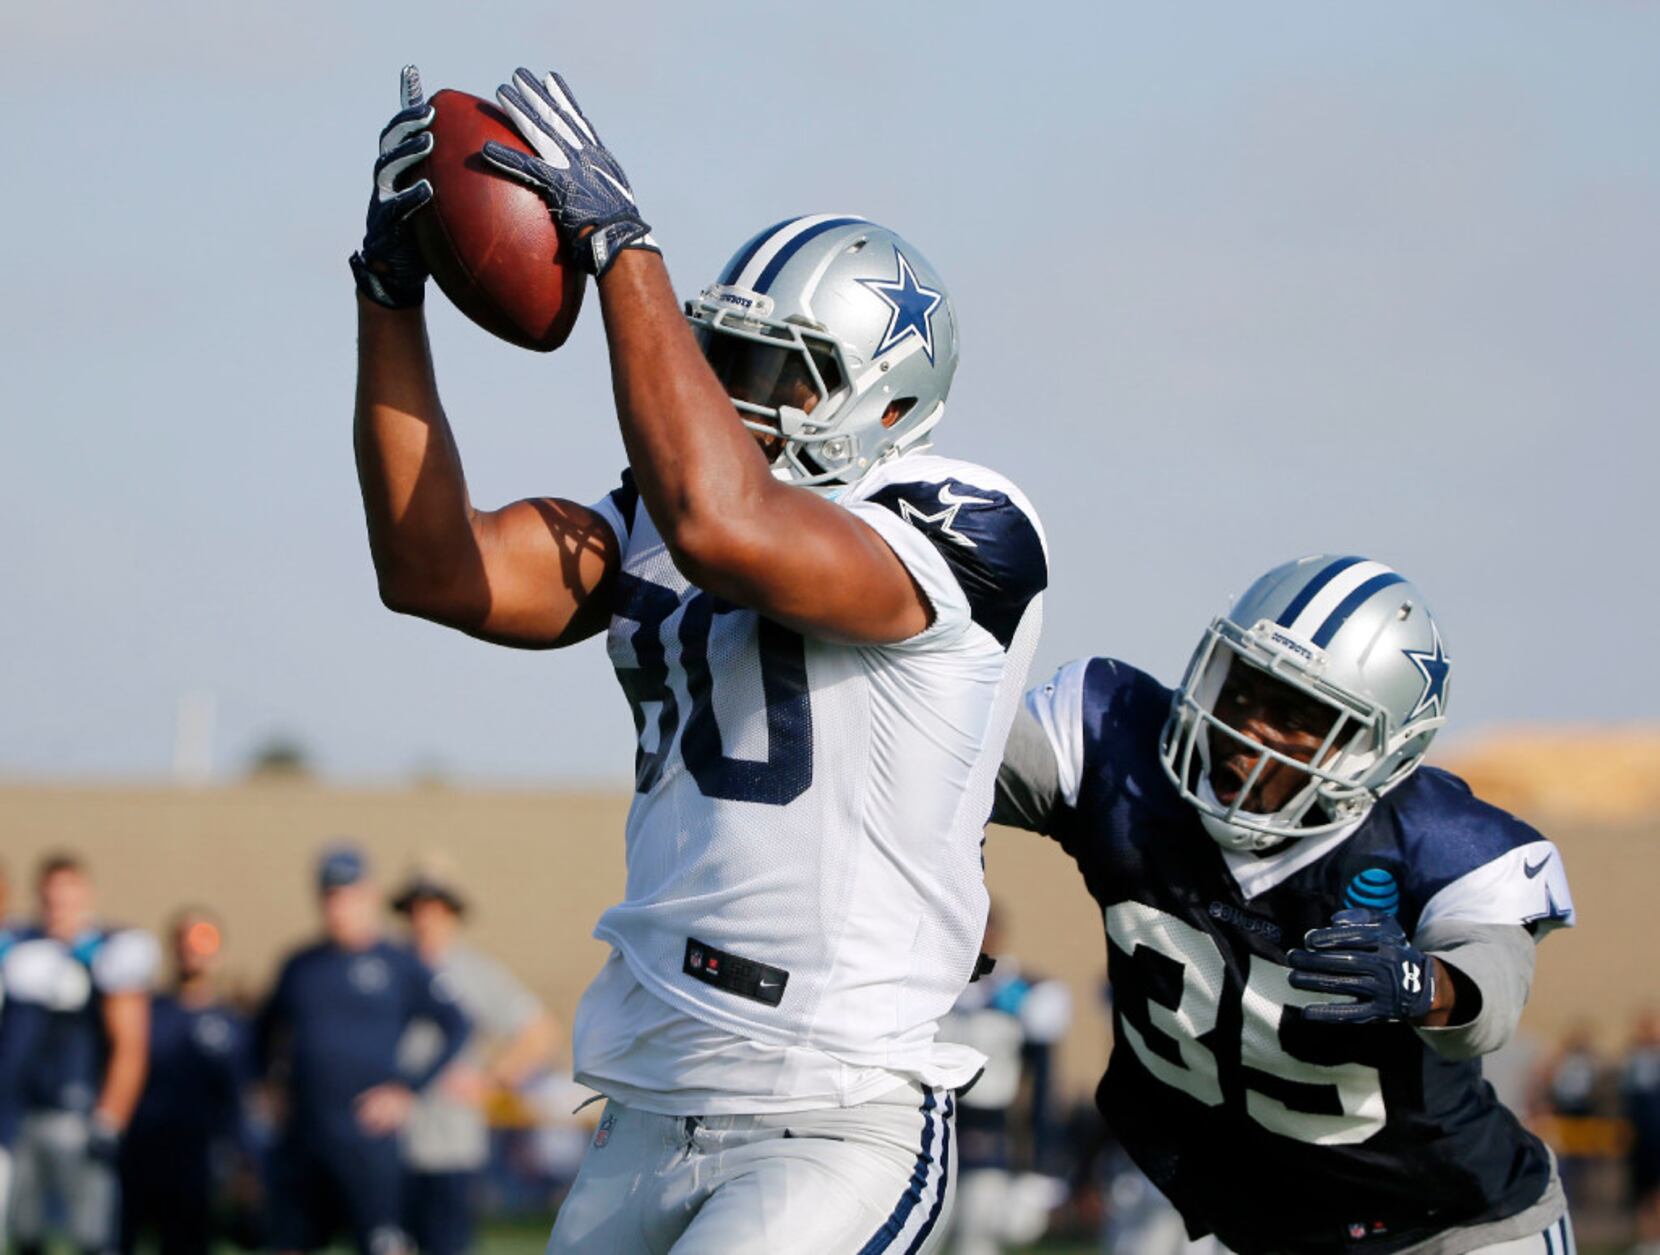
[(1356, 1087), (786, 772)]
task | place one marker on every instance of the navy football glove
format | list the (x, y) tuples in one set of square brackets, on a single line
[(581, 180), (103, 1141), (1366, 956), (389, 267)]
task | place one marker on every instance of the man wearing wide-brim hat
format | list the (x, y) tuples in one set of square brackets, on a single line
[(446, 1142)]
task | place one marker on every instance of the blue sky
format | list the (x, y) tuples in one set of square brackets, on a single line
[(1235, 282)]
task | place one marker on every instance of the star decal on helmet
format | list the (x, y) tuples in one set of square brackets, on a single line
[(1433, 664), (910, 307)]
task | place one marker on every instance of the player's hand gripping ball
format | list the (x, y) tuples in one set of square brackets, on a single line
[(488, 239), (1366, 956), (585, 187), (389, 267)]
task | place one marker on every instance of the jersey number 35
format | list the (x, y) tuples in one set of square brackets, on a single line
[(1353, 1095)]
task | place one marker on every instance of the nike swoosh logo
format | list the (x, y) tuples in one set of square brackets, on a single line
[(1533, 869), (950, 498)]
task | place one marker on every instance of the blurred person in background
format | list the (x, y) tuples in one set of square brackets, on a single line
[(1571, 1084), (74, 1049), (9, 1095), (329, 1033), (446, 1141), (1640, 1096), (1572, 1074), (1004, 1123), (190, 1118)]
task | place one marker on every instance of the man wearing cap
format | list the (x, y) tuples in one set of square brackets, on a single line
[(192, 1104), (330, 1030), (445, 1141)]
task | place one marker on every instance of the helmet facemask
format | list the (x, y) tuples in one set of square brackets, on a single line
[(1353, 764)]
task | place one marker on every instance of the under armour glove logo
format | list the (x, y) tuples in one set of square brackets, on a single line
[(1366, 957)]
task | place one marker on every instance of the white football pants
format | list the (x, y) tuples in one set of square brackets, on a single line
[(50, 1161), (861, 1180)]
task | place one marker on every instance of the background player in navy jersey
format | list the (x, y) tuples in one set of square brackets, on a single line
[(190, 1119), (74, 1041), (1005, 1124), (1311, 938), (330, 1030), (822, 633)]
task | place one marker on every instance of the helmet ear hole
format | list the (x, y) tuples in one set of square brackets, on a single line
[(897, 410)]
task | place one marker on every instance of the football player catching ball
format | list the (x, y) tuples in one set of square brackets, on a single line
[(822, 632), (1311, 938)]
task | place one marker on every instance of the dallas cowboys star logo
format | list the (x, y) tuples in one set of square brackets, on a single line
[(946, 517), (1433, 665), (910, 307)]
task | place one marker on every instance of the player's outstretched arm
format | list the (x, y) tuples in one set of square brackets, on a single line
[(732, 528), (533, 574)]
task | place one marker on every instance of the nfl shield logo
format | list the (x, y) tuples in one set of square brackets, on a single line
[(602, 1134), (1357, 1231)]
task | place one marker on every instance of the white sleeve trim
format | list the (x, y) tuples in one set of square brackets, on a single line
[(1058, 707), (952, 617), (1526, 885), (613, 519)]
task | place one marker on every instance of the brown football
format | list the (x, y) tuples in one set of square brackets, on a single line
[(488, 238)]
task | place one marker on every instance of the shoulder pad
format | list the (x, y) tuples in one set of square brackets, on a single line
[(1472, 861), (988, 540), (44, 973), (126, 962)]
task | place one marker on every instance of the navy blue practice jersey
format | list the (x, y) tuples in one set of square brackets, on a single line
[(199, 1067), (335, 1019), (1272, 1132), (53, 1044)]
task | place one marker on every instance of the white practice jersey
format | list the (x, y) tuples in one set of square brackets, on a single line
[(804, 864)]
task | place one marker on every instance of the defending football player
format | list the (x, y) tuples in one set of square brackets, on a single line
[(1311, 938), (822, 632)]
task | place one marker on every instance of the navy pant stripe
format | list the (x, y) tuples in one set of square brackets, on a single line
[(889, 1230), (945, 1180)]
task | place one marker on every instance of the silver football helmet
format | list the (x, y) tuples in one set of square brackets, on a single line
[(817, 327), (1353, 636)]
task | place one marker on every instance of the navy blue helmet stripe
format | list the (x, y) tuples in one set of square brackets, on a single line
[(1338, 617), (884, 1237), (781, 259), (1311, 590), (736, 266)]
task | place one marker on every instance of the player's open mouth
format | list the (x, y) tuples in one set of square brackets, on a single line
[(1227, 780)]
